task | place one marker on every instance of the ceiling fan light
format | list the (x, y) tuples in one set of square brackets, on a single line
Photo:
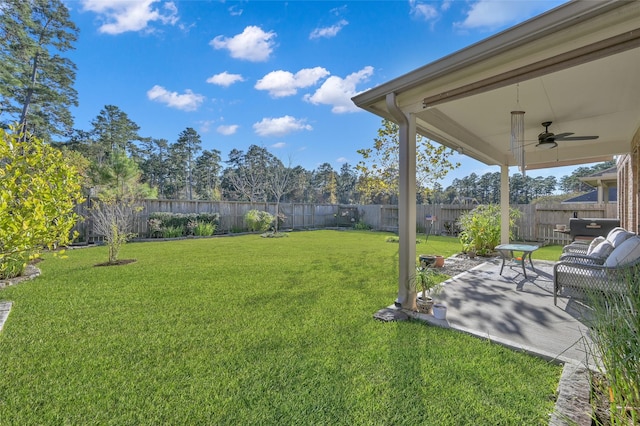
[(547, 145)]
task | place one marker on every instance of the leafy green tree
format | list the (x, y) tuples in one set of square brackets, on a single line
[(206, 175), (247, 178), (120, 179), (186, 149), (324, 183), (113, 131), (346, 184), (379, 167), (572, 183), (301, 185), (36, 81), (39, 190), (154, 167)]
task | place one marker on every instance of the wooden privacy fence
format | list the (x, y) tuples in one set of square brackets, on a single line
[(537, 222)]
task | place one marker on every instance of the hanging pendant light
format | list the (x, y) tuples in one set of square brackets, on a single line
[(517, 133), (517, 139)]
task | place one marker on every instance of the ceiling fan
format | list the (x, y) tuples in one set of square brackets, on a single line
[(548, 140)]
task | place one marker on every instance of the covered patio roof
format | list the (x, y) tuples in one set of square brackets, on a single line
[(576, 66)]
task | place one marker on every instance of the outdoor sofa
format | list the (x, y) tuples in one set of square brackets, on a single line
[(605, 265)]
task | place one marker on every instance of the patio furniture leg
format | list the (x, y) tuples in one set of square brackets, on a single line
[(531, 262)]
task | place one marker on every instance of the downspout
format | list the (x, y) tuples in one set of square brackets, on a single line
[(406, 204)]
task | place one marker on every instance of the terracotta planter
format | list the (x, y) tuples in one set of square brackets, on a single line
[(439, 262)]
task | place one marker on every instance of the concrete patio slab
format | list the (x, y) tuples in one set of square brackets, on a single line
[(516, 311)]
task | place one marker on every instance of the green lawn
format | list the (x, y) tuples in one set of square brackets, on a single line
[(247, 330)]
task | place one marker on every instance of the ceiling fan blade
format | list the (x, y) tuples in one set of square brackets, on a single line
[(576, 138), (562, 135)]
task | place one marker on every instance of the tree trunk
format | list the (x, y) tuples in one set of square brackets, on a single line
[(27, 100)]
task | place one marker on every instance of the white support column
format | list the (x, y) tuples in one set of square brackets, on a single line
[(504, 204), (406, 204)]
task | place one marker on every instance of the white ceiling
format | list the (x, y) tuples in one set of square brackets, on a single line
[(600, 98)]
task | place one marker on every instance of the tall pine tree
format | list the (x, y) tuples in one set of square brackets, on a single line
[(36, 82)]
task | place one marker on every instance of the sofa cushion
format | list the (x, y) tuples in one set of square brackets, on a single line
[(618, 236), (594, 244), (602, 250), (625, 253)]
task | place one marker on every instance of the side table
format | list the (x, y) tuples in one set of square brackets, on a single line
[(506, 251)]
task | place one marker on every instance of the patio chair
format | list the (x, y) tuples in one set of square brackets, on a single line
[(589, 274), (599, 247)]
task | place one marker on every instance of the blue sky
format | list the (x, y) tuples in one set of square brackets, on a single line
[(278, 74)]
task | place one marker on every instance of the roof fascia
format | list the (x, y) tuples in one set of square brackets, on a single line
[(542, 25)]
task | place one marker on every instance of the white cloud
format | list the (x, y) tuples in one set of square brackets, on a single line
[(253, 44), (425, 11), (225, 79), (122, 16), (235, 10), (227, 130), (205, 125), (492, 14), (328, 32), (283, 83), (338, 92), (280, 126), (188, 101), (342, 160), (278, 145)]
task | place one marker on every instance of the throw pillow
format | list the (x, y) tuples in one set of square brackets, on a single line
[(603, 250), (625, 253), (594, 244)]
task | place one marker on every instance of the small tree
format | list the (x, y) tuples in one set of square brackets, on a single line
[(113, 219), (379, 167), (279, 183), (39, 190), (114, 212)]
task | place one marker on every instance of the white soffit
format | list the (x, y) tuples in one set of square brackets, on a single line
[(592, 93)]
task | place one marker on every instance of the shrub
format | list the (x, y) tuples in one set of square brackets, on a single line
[(361, 225), (480, 228), (258, 220), (204, 229), (186, 222), (172, 232), (155, 228), (39, 190)]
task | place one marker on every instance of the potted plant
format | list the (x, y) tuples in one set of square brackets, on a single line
[(428, 281)]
